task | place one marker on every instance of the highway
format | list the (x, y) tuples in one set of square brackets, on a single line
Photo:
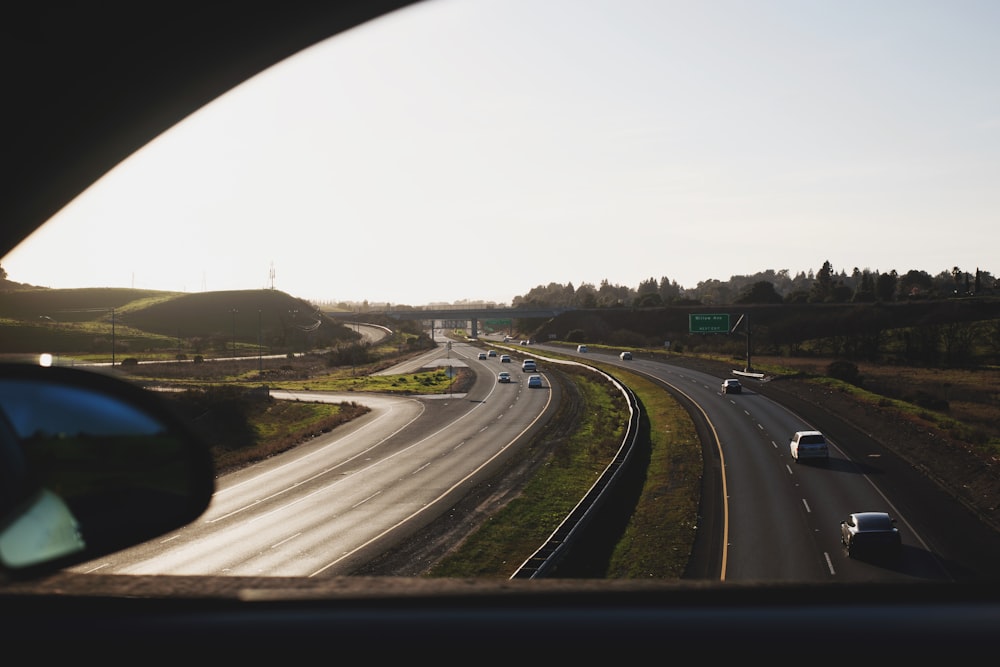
[(326, 507), (329, 506), (781, 519)]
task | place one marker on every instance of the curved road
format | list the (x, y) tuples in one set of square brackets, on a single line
[(780, 520), (326, 507)]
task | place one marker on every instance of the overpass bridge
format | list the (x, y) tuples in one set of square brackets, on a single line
[(472, 315)]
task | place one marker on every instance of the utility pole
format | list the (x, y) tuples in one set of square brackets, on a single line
[(234, 311), (294, 313)]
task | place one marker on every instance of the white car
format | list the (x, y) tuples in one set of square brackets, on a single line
[(529, 366), (809, 445), (534, 381), (482, 355), (581, 348), (504, 358), (503, 376), (625, 356)]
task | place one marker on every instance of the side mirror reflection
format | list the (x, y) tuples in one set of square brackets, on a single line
[(90, 465)]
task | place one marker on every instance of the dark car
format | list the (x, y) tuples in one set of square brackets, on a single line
[(732, 386), (870, 534)]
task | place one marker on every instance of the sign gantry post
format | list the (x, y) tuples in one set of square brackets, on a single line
[(746, 318), (703, 323)]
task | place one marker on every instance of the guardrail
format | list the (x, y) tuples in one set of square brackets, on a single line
[(559, 543)]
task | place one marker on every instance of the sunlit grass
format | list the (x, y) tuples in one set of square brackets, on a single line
[(660, 535), (511, 536), (424, 382), (284, 425)]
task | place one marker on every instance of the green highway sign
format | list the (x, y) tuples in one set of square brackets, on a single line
[(709, 323)]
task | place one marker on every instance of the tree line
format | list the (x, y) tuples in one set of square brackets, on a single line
[(768, 287)]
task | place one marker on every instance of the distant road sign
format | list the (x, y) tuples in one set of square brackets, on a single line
[(709, 323)]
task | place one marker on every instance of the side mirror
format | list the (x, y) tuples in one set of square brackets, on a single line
[(89, 465)]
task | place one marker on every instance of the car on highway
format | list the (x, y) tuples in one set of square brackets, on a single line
[(625, 356), (534, 381), (871, 535), (503, 377), (491, 353), (528, 366), (581, 348), (505, 359), (809, 445), (732, 386), (482, 355)]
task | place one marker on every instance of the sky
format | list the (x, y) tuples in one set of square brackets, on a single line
[(470, 150)]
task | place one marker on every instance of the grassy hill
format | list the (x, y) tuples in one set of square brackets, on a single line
[(147, 324)]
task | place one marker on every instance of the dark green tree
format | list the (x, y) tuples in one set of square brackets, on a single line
[(864, 292), (822, 287), (915, 284), (886, 285), (648, 300), (760, 292)]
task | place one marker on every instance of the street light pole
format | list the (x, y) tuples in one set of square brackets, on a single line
[(234, 311), (260, 363)]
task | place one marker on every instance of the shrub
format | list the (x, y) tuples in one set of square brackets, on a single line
[(927, 401), (844, 370)]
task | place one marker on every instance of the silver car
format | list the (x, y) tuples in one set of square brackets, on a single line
[(872, 534)]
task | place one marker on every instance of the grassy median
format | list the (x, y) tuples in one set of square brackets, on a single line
[(656, 541)]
